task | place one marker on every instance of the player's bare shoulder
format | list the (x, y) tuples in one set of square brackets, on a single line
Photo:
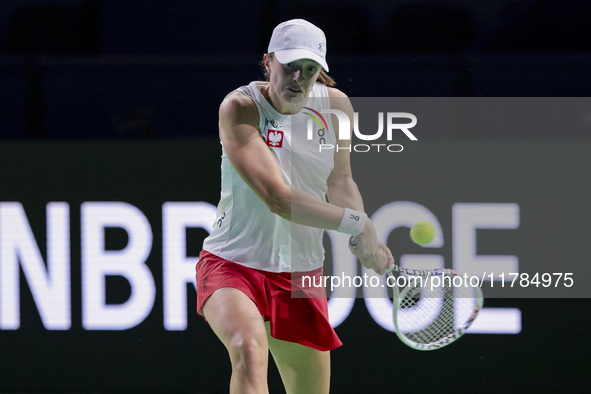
[(334, 92), (340, 101), (237, 108)]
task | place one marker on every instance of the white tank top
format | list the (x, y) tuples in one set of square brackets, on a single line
[(245, 231)]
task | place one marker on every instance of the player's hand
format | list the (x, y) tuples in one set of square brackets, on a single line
[(389, 256), (366, 247), (378, 263), (371, 252)]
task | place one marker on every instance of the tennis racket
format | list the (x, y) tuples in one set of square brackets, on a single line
[(431, 311)]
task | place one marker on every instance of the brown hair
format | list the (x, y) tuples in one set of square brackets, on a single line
[(323, 77)]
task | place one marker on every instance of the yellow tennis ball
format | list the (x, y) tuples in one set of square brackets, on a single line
[(422, 232)]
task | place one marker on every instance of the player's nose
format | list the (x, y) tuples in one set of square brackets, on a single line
[(296, 76)]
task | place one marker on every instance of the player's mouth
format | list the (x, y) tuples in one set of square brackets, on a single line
[(294, 90)]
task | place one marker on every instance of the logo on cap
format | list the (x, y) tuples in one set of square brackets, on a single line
[(320, 46)]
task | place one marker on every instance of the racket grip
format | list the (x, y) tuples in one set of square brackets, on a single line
[(353, 241)]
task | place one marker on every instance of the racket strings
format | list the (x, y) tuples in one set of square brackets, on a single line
[(426, 319), (439, 328)]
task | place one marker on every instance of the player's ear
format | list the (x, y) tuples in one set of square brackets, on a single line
[(267, 62)]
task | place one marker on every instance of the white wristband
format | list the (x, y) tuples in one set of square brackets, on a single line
[(352, 222)]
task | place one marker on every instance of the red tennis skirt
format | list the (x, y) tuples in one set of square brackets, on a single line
[(295, 314)]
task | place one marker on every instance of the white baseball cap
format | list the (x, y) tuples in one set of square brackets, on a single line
[(298, 39)]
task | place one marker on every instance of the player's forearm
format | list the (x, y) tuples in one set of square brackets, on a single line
[(308, 210), (345, 194)]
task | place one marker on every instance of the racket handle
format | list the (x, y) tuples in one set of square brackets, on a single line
[(353, 241)]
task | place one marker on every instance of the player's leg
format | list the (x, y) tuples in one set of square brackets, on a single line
[(237, 322), (303, 370)]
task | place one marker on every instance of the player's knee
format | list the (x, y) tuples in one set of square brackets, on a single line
[(249, 351)]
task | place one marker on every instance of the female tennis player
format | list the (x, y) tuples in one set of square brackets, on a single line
[(271, 218)]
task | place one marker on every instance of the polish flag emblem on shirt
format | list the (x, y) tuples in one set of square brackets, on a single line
[(275, 138)]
